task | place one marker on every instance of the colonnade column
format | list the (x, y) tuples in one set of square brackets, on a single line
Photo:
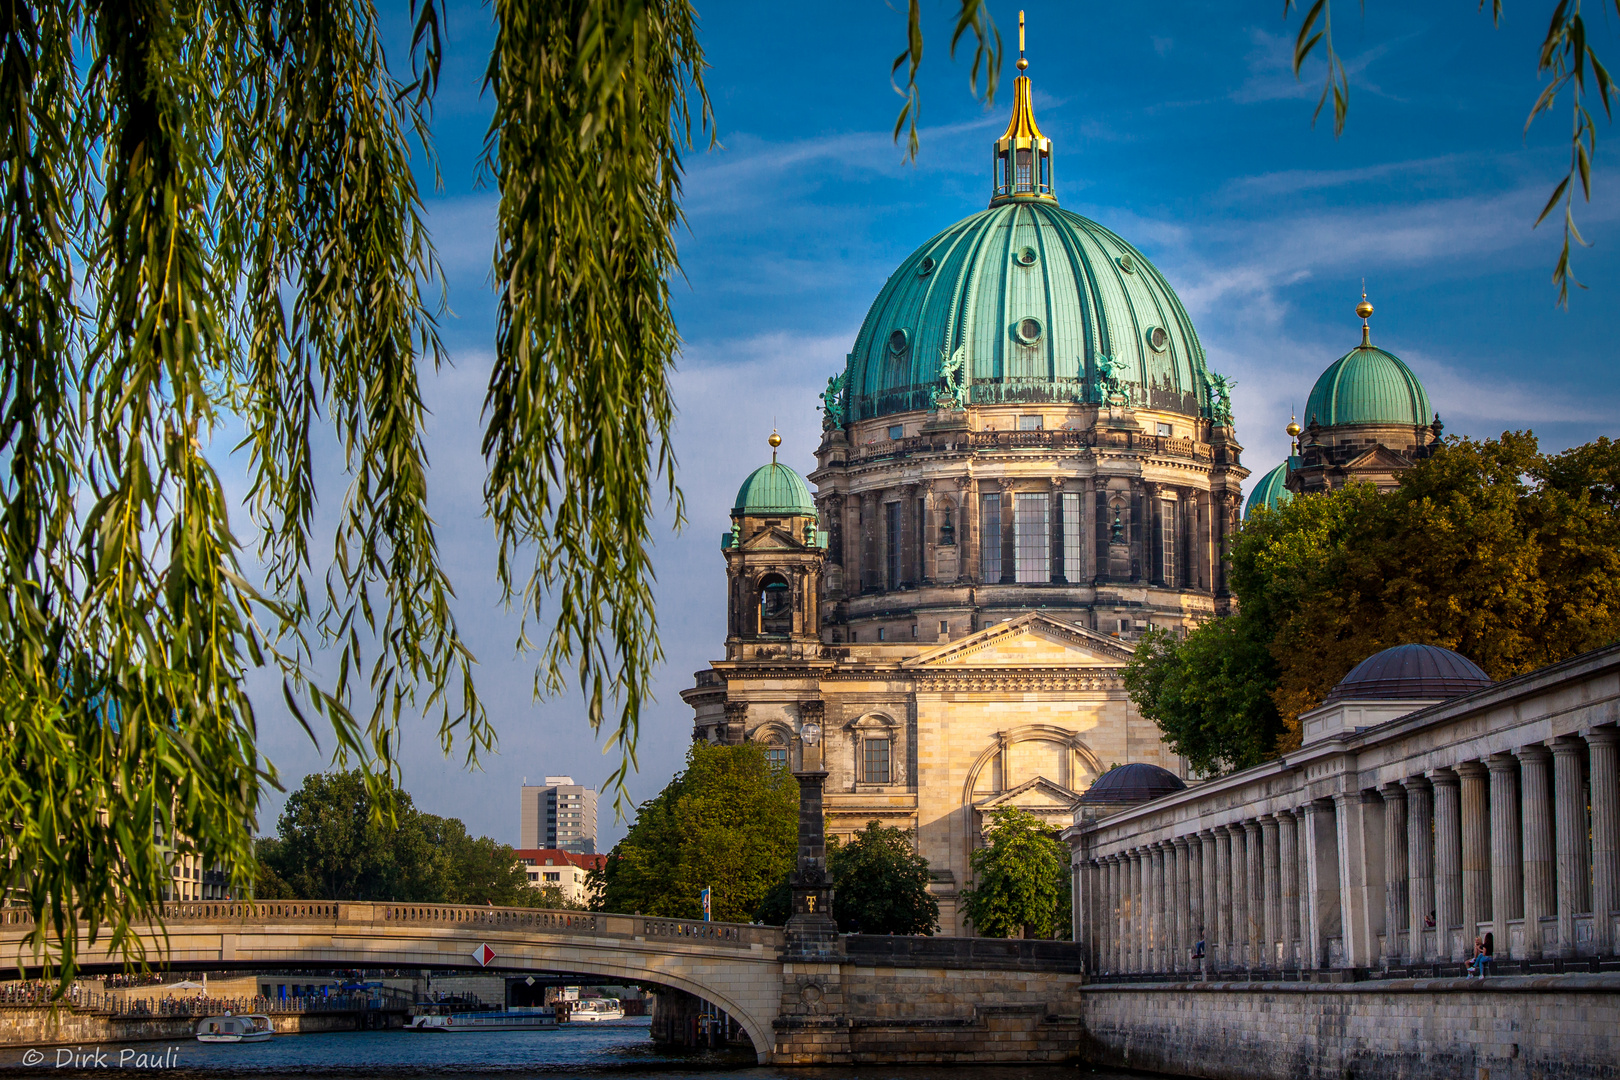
[(1181, 851), (1396, 874), (1322, 881), (1476, 850), (1155, 892), (1116, 936), (1419, 861), (1141, 873), (1570, 831), (1271, 891), (1507, 866), (1240, 896), (1540, 896), (1601, 748), (1448, 862), (1223, 896), (1209, 922), (1288, 860), (1255, 900)]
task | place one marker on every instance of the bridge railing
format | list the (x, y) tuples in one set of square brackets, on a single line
[(249, 913)]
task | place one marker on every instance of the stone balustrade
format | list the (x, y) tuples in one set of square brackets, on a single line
[(1386, 845)]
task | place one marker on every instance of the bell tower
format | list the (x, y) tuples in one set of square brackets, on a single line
[(774, 559)]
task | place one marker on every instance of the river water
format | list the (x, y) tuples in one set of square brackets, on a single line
[(619, 1050)]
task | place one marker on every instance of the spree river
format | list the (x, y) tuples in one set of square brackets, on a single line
[(620, 1050)]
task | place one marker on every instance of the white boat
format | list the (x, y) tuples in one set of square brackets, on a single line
[(595, 1010), (438, 1018), (229, 1028)]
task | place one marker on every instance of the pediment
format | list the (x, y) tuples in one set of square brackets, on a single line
[(1378, 457), (1038, 796), (1030, 640), (773, 539)]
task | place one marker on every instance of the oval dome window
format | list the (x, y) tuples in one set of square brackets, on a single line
[(1025, 256), (897, 342), (1158, 339), (1126, 263), (925, 267), (1028, 330)]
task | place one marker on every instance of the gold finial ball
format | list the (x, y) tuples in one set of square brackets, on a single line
[(775, 440), (1364, 309), (1293, 428)]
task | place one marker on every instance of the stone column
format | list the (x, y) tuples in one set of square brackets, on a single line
[(1209, 913), (1271, 869), (1419, 861), (1255, 900), (1322, 881), (1240, 896), (1540, 894), (1358, 816), (1570, 830), (1154, 868), (1507, 866), (1476, 849), (1288, 859), (1448, 862), (1181, 851), (872, 568), (1112, 950), (812, 932), (1223, 897), (1139, 875), (1601, 747), (1396, 887)]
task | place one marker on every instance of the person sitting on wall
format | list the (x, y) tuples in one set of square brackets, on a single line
[(1484, 950)]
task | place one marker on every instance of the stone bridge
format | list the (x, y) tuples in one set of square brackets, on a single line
[(869, 999)]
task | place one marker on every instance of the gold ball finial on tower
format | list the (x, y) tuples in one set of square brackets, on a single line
[(775, 440), (1364, 310), (1293, 429), (1022, 63)]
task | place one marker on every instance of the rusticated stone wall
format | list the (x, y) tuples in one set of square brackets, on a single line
[(1556, 1027)]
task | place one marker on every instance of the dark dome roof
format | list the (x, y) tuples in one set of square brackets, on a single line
[(1410, 671), (1134, 783)]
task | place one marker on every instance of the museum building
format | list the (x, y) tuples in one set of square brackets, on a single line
[(1025, 464)]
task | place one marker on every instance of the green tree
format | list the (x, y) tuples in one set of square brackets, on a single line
[(268, 884), (470, 869), (1021, 880), (729, 821), (1508, 556), (334, 845), (881, 883)]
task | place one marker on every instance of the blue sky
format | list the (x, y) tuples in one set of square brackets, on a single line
[(1178, 125)]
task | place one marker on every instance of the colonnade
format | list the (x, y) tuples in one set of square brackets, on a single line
[(1523, 845)]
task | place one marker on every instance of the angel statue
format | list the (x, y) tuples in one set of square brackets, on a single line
[(1107, 376), (1220, 399), (832, 402), (951, 369)]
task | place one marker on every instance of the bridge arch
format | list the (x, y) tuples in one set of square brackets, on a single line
[(733, 965)]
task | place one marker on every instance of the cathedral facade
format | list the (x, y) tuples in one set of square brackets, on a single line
[(1025, 464)]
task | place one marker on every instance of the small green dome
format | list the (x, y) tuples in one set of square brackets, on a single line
[(1368, 386), (774, 489), (1270, 491), (1042, 305)]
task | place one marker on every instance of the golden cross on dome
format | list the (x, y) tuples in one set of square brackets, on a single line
[(1022, 63)]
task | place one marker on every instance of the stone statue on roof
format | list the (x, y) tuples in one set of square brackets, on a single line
[(832, 402), (953, 373)]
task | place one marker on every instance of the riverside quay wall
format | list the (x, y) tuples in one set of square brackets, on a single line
[(40, 1025), (1559, 1027), (1311, 916)]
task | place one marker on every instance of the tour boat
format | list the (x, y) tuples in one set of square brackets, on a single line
[(229, 1028), (594, 1010), (439, 1018)]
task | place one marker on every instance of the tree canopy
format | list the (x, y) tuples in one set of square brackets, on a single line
[(333, 844), (1020, 880), (1507, 555), (729, 822), (880, 885)]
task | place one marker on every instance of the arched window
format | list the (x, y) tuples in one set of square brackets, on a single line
[(775, 605), (776, 755)]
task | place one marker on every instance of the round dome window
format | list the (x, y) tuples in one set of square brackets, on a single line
[(1126, 263), (1025, 256), (897, 342), (1028, 330), (1158, 339), (925, 267)]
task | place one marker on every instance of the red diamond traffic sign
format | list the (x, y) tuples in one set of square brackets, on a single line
[(483, 954)]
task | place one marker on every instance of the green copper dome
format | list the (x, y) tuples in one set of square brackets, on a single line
[(774, 489), (1368, 386), (1269, 491), (1041, 305)]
